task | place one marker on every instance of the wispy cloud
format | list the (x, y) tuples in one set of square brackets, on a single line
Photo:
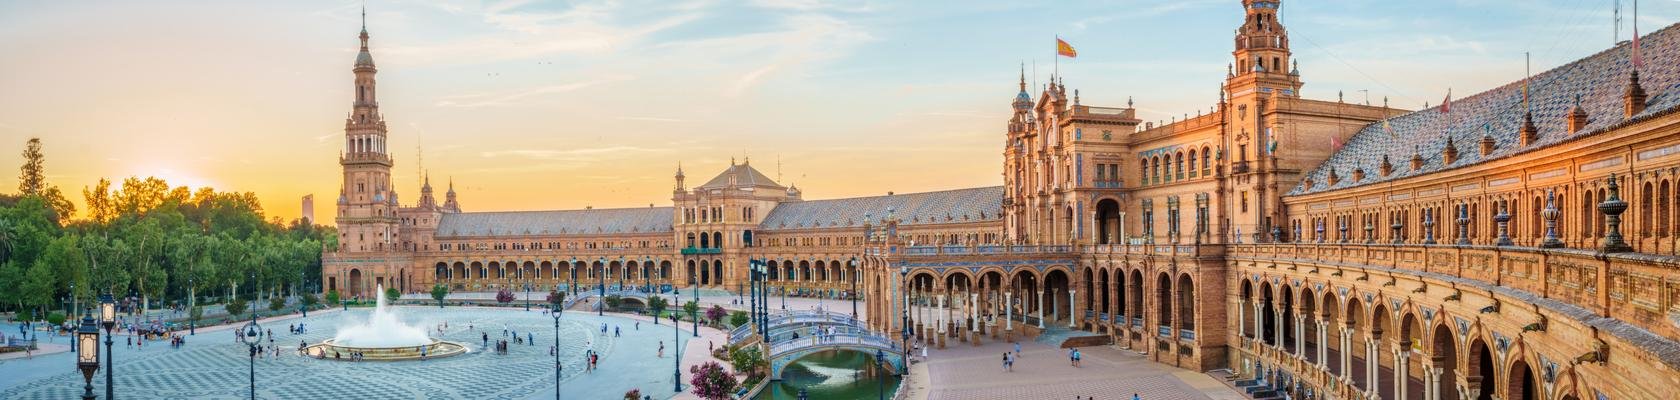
[(520, 96), (653, 119), (575, 154)]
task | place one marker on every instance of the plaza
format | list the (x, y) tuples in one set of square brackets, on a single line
[(211, 365)]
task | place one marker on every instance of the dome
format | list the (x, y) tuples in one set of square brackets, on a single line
[(364, 58)]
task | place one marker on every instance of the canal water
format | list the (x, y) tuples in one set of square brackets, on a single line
[(836, 375)]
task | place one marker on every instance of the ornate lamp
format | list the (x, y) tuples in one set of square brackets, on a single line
[(87, 354), (108, 318)]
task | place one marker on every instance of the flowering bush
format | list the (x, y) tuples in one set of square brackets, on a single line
[(633, 394), (711, 381), (504, 296)]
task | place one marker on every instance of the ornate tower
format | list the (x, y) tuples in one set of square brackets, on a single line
[(1016, 174), (367, 205)]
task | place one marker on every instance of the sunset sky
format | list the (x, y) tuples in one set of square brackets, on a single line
[(548, 105)]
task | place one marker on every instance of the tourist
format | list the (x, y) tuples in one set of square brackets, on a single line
[(486, 339), (1135, 397), (1006, 361), (1073, 357), (924, 354), (616, 333), (530, 339), (1017, 349), (661, 349)]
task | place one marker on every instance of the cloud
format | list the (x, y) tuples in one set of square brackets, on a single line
[(799, 41), (579, 154), (520, 31), (507, 98)]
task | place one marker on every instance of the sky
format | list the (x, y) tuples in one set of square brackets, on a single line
[(530, 105)]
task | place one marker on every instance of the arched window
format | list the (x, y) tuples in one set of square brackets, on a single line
[(1192, 163), (1178, 166), (1206, 157)]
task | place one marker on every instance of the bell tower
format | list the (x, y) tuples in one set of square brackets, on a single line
[(367, 206)]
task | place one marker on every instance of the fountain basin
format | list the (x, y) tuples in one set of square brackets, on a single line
[(436, 349)]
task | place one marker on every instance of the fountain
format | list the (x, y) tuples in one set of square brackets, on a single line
[(383, 337)]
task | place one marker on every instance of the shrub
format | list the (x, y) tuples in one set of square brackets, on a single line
[(391, 294), (711, 382), (55, 318), (332, 297), (716, 314), (439, 291), (276, 303), (738, 318), (236, 307), (504, 296), (633, 394)]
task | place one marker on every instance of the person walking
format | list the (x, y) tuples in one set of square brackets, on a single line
[(1135, 397)]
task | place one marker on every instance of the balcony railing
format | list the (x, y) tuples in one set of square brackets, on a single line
[(689, 251)]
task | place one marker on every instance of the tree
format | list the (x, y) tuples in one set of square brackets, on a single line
[(275, 303), (196, 314), (690, 308), (308, 300), (716, 314), (613, 301), (748, 360), (738, 318), (392, 294), (39, 285), (32, 177), (556, 299), (236, 306), (711, 381), (56, 319), (657, 305), (332, 297), (32, 181), (439, 291), (504, 296)]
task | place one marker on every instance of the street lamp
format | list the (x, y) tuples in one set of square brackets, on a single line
[(192, 303), (676, 342), (904, 330), (601, 285), (87, 354), (696, 314), (556, 303), (108, 318), (852, 276), (752, 286), (251, 330), (527, 292)]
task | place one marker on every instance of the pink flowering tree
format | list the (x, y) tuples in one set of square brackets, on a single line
[(711, 381)]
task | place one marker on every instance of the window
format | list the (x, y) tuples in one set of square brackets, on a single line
[(1245, 201)]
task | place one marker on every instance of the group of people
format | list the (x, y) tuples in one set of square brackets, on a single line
[(1009, 357)]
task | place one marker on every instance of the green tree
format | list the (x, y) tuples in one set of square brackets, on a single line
[(197, 313), (391, 294), (236, 306), (332, 297), (738, 318), (55, 318), (309, 300), (38, 285), (657, 305), (613, 301), (691, 309), (746, 359), (439, 291), (275, 303), (32, 177)]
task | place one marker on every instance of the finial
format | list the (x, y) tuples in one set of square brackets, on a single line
[(1128, 101), (731, 161), (364, 16), (1023, 77), (1385, 101)]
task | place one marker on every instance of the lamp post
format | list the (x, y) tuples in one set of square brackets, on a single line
[(676, 342), (108, 318), (752, 286), (556, 301), (87, 354), (647, 279), (696, 314), (528, 294), (626, 268), (601, 285), (851, 272), (251, 331), (904, 330)]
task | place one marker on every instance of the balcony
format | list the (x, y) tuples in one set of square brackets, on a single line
[(689, 251)]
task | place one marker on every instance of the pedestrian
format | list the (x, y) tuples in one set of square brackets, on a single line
[(661, 349), (924, 354), (1017, 349), (1135, 397), (529, 338)]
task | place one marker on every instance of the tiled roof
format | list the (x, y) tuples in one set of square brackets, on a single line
[(1599, 81), (948, 206), (563, 222), (745, 176)]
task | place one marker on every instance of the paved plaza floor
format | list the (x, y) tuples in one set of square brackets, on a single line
[(213, 366), (963, 371)]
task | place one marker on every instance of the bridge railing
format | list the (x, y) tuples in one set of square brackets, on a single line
[(880, 342)]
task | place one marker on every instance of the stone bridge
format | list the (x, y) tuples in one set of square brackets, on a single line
[(786, 352)]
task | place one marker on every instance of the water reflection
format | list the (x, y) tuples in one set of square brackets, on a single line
[(833, 375)]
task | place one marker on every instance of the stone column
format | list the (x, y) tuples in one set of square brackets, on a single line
[(1347, 354), (1323, 347), (974, 317), (1073, 318), (1370, 366), (1242, 328), (1259, 323), (1432, 386), (1400, 372), (1277, 334), (1300, 339), (1008, 317), (943, 316)]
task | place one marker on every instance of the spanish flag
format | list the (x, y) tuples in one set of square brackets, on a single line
[(1064, 49)]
